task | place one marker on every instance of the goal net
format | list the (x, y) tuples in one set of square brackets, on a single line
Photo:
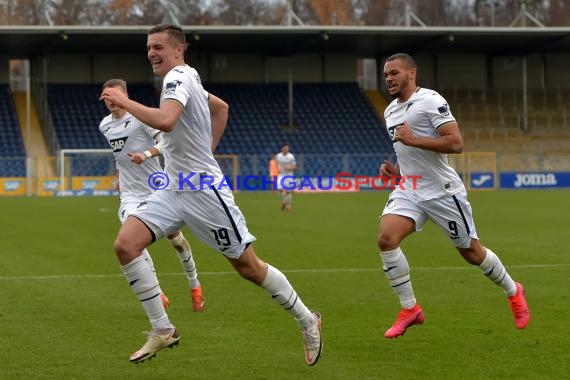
[(478, 170), (481, 168), (93, 171), (229, 163), (86, 172)]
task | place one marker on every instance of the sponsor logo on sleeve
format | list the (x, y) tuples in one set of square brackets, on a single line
[(443, 110), (171, 86)]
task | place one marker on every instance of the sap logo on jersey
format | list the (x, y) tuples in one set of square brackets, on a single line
[(535, 179), (392, 131), (118, 144)]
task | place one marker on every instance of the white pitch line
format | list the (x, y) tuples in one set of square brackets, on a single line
[(332, 270)]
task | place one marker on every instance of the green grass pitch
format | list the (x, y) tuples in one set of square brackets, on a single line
[(66, 312)]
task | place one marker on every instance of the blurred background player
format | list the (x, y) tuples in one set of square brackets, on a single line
[(273, 172), (126, 134), (287, 166), (423, 132)]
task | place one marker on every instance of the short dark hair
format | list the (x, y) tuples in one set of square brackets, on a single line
[(404, 57), (175, 33), (116, 83)]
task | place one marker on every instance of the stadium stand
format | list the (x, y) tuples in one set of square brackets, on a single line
[(491, 120), (502, 109), (76, 113), (335, 128), (331, 120), (13, 163)]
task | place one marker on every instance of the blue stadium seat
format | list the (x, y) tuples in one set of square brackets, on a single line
[(13, 160), (330, 118)]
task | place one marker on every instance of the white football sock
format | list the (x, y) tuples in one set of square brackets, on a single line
[(493, 268), (283, 293), (397, 271), (184, 253), (144, 284), (148, 259)]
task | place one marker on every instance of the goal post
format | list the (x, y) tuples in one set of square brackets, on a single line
[(458, 162), (229, 163), (93, 171), (86, 163), (478, 170), (481, 170)]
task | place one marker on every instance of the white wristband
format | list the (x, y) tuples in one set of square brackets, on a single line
[(148, 154)]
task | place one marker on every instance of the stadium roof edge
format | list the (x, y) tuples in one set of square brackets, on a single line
[(360, 40), (280, 28)]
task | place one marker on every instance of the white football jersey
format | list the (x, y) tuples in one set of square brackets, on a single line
[(284, 161), (425, 111), (188, 147), (129, 135)]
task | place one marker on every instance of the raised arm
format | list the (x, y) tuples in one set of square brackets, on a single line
[(163, 118)]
